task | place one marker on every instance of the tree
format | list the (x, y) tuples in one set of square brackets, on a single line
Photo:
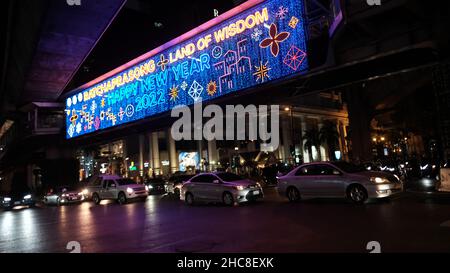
[(311, 138), (329, 135)]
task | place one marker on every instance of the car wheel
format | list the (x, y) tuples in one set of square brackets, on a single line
[(58, 202), (293, 194), (357, 194), (96, 198), (227, 199), (189, 199), (122, 199)]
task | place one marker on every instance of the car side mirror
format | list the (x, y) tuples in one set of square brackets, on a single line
[(216, 181)]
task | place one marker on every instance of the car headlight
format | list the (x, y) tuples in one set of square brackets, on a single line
[(240, 188), (146, 188), (7, 199), (379, 180), (63, 195), (85, 192), (28, 196), (130, 190), (257, 184)]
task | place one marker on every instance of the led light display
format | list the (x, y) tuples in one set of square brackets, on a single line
[(248, 47)]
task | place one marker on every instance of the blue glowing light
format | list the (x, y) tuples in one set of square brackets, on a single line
[(263, 43)]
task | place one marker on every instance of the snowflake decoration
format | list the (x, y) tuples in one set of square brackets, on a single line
[(91, 122), (281, 12), (211, 88), (113, 119), (71, 130), (294, 58), (184, 85), (195, 91), (174, 92), (93, 106), (256, 34), (293, 22), (78, 128), (262, 72)]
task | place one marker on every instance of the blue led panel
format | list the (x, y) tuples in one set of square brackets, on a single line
[(263, 43)]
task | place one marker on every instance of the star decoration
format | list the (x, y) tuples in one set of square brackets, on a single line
[(256, 35), (184, 85), (162, 62), (281, 12), (294, 58), (195, 91), (262, 72), (174, 92), (211, 88), (274, 40), (293, 22), (103, 103)]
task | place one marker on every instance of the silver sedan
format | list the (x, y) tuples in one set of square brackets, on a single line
[(224, 187), (335, 180)]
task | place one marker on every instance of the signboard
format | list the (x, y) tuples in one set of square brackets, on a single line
[(187, 160), (252, 44)]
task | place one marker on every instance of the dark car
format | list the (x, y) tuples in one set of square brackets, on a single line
[(175, 182), (156, 185), (18, 198)]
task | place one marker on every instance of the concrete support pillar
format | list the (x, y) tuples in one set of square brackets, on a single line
[(141, 154), (173, 158), (287, 137), (212, 154), (150, 154), (155, 153), (200, 152), (305, 152), (323, 147), (360, 115)]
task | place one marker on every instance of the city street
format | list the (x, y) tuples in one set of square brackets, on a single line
[(412, 222)]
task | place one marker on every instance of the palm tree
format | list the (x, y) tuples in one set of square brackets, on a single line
[(311, 137), (329, 135)]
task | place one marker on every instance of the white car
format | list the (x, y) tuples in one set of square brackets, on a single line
[(63, 195), (116, 188), (337, 179), (224, 187)]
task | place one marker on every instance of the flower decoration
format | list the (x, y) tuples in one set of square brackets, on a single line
[(274, 40)]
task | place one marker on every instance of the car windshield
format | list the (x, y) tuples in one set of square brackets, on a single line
[(349, 167), (125, 181), (229, 177), (155, 180)]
